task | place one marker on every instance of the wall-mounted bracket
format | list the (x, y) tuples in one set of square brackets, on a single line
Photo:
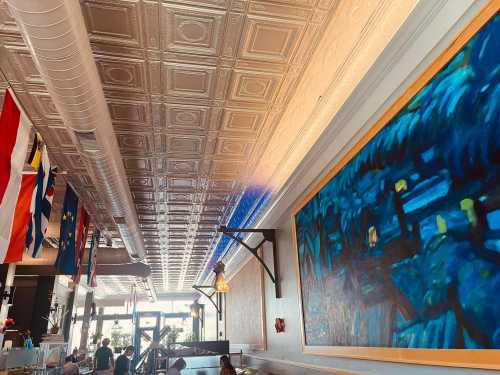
[(269, 235), (200, 288)]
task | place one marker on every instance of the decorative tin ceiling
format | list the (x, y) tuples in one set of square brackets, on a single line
[(195, 90)]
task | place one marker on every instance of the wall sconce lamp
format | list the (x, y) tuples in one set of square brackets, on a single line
[(269, 236), (219, 286)]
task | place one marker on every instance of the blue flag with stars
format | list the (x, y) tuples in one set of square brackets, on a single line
[(65, 261)]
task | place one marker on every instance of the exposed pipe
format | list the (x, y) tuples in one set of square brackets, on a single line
[(48, 257), (110, 262), (55, 33), (56, 36), (136, 269)]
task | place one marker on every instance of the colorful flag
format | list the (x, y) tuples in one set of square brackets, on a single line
[(81, 240), (21, 219), (36, 153), (65, 261), (14, 130), (44, 184), (47, 201), (92, 261)]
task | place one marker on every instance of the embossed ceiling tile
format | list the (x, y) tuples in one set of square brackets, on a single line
[(179, 208), (20, 57), (114, 22), (188, 80), (145, 218), (253, 87), (209, 209), (44, 105), (239, 120), (135, 143), (149, 226), (304, 3), (72, 160), (186, 117), (180, 197), (231, 169), (209, 219), (143, 196), (218, 198), (233, 148), (138, 165), (185, 145), (137, 183), (151, 24), (122, 74), (265, 8), (58, 135), (270, 39), (177, 183), (221, 185), (222, 4), (192, 30), (182, 167), (129, 112), (145, 208)]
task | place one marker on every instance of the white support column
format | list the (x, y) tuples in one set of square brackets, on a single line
[(4, 310)]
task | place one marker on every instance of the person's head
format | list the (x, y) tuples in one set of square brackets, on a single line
[(129, 351), (225, 362), (180, 364), (105, 342), (68, 359), (28, 333), (75, 351)]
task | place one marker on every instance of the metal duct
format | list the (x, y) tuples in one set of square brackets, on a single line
[(55, 33), (110, 262), (137, 269), (48, 257)]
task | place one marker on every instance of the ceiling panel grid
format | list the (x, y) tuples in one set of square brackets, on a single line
[(195, 90)]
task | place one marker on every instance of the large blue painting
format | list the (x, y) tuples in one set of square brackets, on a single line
[(401, 247)]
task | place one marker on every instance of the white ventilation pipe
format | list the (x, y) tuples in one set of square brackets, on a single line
[(55, 33)]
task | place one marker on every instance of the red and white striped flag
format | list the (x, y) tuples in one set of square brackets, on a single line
[(14, 129)]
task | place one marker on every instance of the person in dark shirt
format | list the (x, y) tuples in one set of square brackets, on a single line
[(74, 356), (122, 366), (103, 359)]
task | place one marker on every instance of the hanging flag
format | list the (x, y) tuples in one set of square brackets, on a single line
[(36, 152), (81, 240), (47, 204), (14, 129), (41, 205), (92, 261), (65, 261), (21, 220)]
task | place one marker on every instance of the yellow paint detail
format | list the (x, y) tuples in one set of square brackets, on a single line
[(372, 236), (467, 205), (400, 186), (441, 224)]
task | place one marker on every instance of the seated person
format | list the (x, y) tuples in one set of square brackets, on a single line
[(122, 364), (74, 356), (70, 368), (176, 368), (226, 366)]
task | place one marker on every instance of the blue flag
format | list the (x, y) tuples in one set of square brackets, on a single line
[(65, 261)]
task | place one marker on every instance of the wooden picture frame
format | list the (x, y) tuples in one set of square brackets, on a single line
[(468, 358)]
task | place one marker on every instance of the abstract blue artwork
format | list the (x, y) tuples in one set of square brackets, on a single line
[(401, 247)]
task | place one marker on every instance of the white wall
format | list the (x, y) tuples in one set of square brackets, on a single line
[(428, 31)]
